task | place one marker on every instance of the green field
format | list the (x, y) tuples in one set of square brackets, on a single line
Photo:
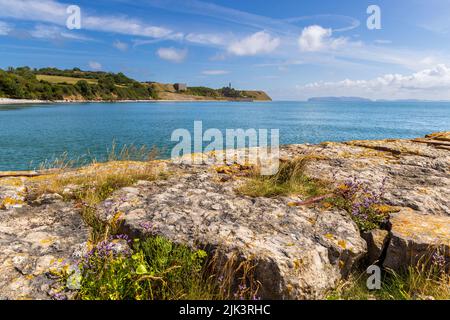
[(62, 79)]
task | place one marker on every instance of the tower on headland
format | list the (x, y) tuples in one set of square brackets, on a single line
[(180, 87)]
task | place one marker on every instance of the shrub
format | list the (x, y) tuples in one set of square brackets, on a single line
[(155, 269), (21, 83)]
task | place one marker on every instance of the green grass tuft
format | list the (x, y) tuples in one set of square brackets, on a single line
[(289, 180)]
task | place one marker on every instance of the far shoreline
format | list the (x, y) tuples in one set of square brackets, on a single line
[(7, 101)]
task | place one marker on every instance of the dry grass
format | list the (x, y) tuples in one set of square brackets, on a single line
[(93, 183), (417, 283), (62, 79), (231, 276), (289, 180)]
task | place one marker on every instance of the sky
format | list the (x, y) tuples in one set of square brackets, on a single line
[(292, 49)]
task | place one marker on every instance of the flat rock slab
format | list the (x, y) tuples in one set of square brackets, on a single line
[(412, 174), (415, 238), (299, 253), (32, 240)]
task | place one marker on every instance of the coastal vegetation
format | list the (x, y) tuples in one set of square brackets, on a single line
[(169, 92), (155, 269), (53, 84), (225, 92), (117, 267), (364, 206), (158, 269), (290, 179), (415, 283)]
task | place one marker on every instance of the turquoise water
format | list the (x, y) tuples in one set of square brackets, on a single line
[(31, 134)]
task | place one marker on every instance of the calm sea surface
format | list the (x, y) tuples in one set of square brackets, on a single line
[(31, 134)]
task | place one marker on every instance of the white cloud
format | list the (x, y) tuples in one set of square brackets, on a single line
[(382, 41), (433, 83), (53, 32), (215, 72), (206, 38), (316, 38), (124, 26), (54, 12), (258, 43), (34, 10), (94, 65), (172, 54), (122, 46), (5, 28)]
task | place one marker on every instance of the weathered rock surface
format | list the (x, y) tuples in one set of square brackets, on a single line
[(32, 242), (12, 193), (376, 242), (416, 238), (298, 252), (413, 174)]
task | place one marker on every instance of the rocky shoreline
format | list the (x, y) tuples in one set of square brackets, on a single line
[(5, 101), (299, 251)]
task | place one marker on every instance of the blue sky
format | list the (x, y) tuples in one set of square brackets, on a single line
[(293, 49)]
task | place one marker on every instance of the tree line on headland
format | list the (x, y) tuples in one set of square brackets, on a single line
[(54, 84), (77, 85)]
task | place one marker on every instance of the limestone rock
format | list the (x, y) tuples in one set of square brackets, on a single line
[(376, 242), (299, 253), (71, 190), (33, 240), (47, 198), (411, 174), (12, 193), (415, 238)]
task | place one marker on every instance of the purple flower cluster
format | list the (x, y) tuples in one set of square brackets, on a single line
[(243, 291), (122, 237), (146, 225), (439, 260), (239, 294), (108, 248), (361, 198), (351, 188), (59, 296)]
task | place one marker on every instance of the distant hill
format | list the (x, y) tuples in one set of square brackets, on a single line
[(338, 99), (168, 92), (78, 85)]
